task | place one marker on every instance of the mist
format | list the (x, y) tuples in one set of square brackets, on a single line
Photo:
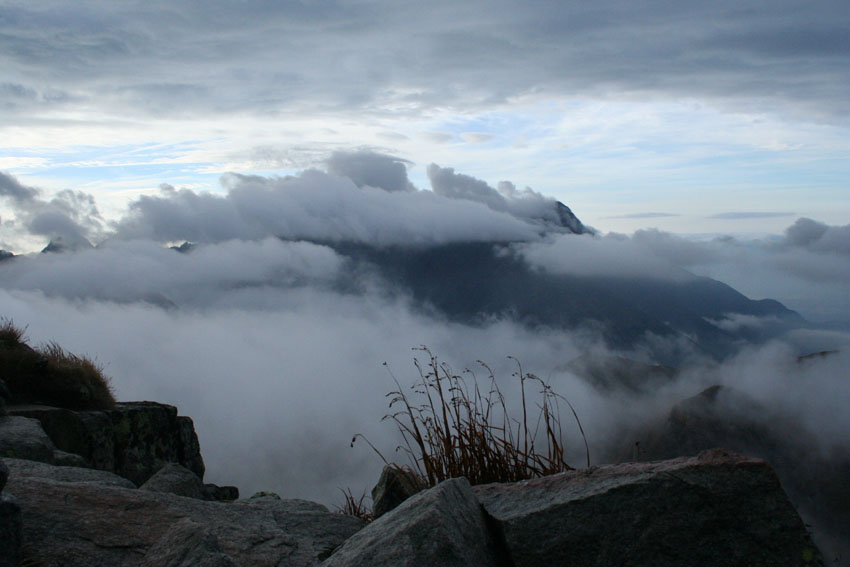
[(273, 340)]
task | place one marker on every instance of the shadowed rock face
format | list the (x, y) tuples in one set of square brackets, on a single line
[(133, 440), (394, 487)]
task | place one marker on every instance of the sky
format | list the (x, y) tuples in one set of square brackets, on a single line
[(707, 137), (690, 117)]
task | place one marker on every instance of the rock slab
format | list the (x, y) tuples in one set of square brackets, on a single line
[(88, 524), (24, 438), (175, 479), (134, 440), (443, 526), (717, 508), (10, 524), (395, 485)]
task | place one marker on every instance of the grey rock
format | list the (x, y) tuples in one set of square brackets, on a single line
[(266, 495), (134, 440), (442, 526), (10, 531), (147, 435), (21, 468), (189, 448), (718, 509), (394, 487), (4, 474), (220, 493), (77, 524), (816, 481), (175, 479), (187, 544), (61, 458), (4, 390), (23, 438)]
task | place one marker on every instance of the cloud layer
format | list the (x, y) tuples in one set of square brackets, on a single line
[(189, 59), (275, 345)]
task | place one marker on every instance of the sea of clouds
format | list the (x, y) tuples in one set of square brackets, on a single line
[(274, 342)]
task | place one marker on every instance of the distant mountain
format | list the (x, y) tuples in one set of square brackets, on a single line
[(609, 373), (60, 244), (474, 282)]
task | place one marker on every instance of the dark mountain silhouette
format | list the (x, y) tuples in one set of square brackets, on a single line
[(476, 282)]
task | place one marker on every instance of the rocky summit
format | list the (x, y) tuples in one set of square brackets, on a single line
[(717, 508)]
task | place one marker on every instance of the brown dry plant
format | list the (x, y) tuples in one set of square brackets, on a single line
[(353, 506), (451, 427)]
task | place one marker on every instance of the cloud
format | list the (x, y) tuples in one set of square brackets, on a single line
[(11, 187), (807, 270), (613, 255), (278, 389), (749, 215), (679, 251), (818, 237), (275, 347), (278, 378), (317, 206), (643, 216), (143, 270), (282, 56), (70, 216), (525, 204), (372, 169)]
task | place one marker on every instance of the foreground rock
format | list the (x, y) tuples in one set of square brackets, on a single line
[(716, 509), (396, 485), (22, 468), (133, 440), (175, 479), (10, 524), (88, 523), (443, 526), (24, 438), (816, 480)]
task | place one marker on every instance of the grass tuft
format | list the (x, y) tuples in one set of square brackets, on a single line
[(452, 426), (10, 335), (50, 375), (353, 506)]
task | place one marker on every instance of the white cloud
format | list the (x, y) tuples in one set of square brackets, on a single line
[(609, 256)]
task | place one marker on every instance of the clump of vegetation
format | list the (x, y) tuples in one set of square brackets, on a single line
[(451, 427), (354, 506), (50, 375)]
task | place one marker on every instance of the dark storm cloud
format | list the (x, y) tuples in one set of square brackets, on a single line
[(222, 57)]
